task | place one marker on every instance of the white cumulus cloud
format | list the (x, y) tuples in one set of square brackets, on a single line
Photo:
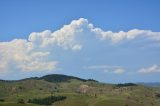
[(116, 37), (152, 69), (119, 71), (19, 54), (33, 54)]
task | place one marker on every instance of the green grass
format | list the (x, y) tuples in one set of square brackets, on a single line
[(98, 94)]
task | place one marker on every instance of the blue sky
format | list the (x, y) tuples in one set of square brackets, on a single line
[(108, 40)]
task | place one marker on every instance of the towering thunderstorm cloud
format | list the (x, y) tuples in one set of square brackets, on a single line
[(33, 54)]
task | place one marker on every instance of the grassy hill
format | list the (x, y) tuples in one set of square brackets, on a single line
[(77, 92)]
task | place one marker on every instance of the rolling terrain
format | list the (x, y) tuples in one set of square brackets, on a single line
[(76, 92)]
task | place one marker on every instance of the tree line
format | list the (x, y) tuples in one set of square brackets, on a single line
[(47, 101)]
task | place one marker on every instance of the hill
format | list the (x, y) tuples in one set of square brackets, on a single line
[(63, 90), (56, 78)]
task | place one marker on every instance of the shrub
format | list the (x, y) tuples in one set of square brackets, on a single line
[(21, 101), (2, 100), (126, 84), (158, 95)]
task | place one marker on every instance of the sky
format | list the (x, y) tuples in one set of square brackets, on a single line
[(112, 41)]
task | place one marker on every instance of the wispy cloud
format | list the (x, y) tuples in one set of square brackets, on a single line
[(107, 69), (93, 67)]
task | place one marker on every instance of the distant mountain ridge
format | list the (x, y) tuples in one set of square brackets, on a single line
[(150, 84)]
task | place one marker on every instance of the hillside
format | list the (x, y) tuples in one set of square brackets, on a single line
[(65, 90)]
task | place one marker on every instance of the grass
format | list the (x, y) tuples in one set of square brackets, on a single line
[(98, 94)]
